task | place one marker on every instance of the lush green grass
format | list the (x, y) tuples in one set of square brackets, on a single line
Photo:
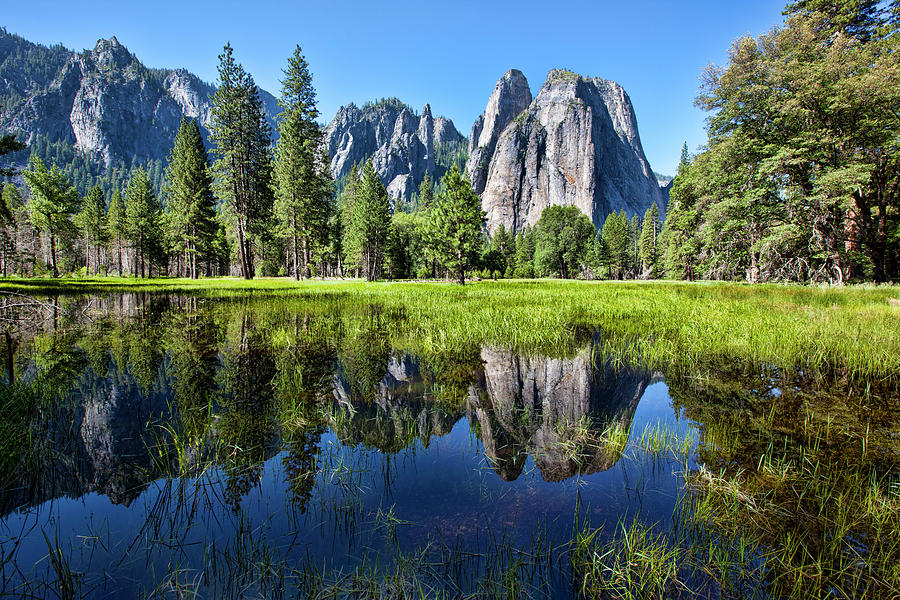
[(848, 331)]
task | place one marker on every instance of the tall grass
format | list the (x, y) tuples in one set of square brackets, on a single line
[(851, 331)]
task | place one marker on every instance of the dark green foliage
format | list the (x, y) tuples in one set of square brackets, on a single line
[(800, 178), (649, 244), (564, 242), (190, 207), (116, 229), (143, 223), (367, 223), (243, 165), (613, 251), (456, 223), (524, 262), (51, 205), (303, 182), (93, 222), (8, 145)]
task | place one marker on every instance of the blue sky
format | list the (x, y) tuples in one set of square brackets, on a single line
[(447, 54)]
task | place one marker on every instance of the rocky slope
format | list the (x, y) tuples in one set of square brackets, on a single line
[(401, 144), (101, 101), (576, 143)]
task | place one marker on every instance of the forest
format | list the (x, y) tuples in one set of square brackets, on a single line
[(797, 182)]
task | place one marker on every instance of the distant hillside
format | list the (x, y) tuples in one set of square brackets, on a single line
[(99, 112)]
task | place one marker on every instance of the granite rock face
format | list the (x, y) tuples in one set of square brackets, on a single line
[(400, 143), (510, 97), (106, 103), (554, 409), (576, 143)]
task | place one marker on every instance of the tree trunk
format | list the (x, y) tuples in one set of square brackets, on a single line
[(53, 254), (296, 256), (242, 249), (306, 271), (461, 270)]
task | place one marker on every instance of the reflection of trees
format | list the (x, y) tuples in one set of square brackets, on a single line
[(192, 344), (794, 462), (300, 465), (365, 350), (305, 357), (246, 427)]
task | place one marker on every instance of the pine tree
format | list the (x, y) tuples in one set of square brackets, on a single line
[(92, 219), (456, 223), (243, 167), (525, 253), (52, 203), (143, 214), (8, 145), (368, 229), (303, 183), (680, 229), (191, 206), (649, 243), (614, 239), (426, 193), (10, 209), (117, 227)]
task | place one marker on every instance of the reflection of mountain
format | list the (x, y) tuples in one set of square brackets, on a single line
[(98, 440), (555, 410), (552, 409), (397, 415)]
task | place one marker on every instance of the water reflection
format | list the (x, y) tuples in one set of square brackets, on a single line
[(147, 386), (308, 430)]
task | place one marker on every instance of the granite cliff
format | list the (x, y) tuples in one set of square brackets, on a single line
[(576, 143), (102, 101), (403, 146)]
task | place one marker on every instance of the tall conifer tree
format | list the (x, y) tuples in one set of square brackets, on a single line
[(191, 206), (303, 183), (243, 167)]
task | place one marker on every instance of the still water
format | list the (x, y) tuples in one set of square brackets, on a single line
[(198, 447)]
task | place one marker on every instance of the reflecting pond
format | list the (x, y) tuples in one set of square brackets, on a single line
[(186, 446)]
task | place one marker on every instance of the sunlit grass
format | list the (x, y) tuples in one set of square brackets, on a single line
[(852, 331)]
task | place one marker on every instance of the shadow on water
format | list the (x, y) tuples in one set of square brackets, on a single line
[(176, 445)]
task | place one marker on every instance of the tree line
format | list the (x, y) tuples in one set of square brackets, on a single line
[(800, 177), (799, 181)]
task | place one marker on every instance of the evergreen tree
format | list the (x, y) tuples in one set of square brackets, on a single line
[(10, 208), (456, 223), (190, 204), (92, 219), (52, 203), (680, 228), (303, 181), (614, 252), (369, 223), (143, 214), (525, 253), (8, 145), (649, 243), (426, 193), (117, 227), (243, 166)]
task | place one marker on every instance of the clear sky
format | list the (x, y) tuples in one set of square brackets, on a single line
[(448, 54)]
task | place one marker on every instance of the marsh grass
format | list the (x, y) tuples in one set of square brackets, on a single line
[(850, 331)]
